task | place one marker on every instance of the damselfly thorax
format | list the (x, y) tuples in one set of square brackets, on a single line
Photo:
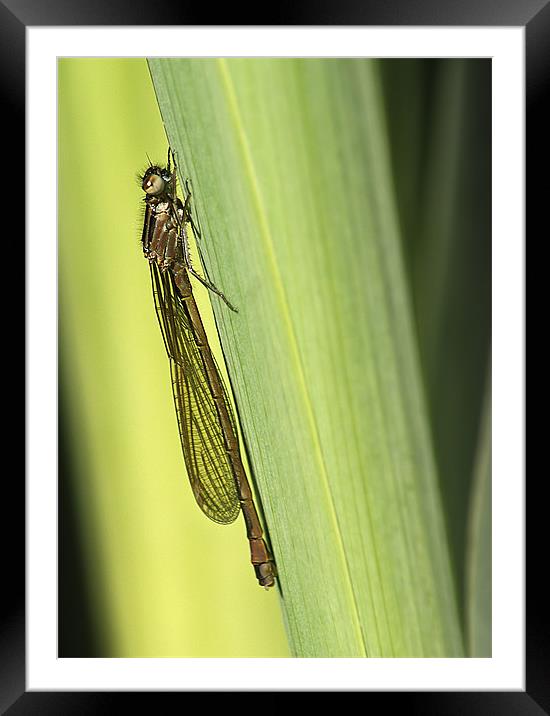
[(161, 244), (164, 237)]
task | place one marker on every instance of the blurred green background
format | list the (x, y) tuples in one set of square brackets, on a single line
[(142, 572)]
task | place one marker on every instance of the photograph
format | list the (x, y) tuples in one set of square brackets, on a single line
[(274, 357)]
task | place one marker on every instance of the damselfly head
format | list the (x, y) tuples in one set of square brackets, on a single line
[(154, 180)]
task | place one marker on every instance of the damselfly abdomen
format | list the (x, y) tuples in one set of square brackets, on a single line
[(205, 418)]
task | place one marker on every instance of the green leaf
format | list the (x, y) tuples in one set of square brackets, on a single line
[(479, 545), (440, 124), (291, 181)]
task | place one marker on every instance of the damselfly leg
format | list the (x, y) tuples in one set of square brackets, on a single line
[(188, 219)]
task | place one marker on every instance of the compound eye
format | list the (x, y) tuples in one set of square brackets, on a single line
[(153, 184)]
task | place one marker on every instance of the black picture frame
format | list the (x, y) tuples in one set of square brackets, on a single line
[(15, 16)]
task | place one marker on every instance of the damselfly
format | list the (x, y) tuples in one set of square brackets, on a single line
[(206, 422)]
